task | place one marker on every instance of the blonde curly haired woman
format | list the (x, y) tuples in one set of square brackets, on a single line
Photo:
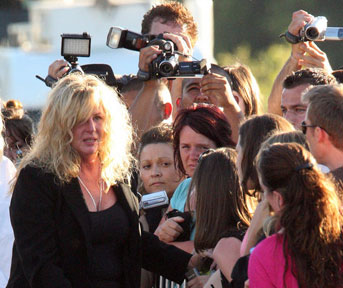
[(75, 221)]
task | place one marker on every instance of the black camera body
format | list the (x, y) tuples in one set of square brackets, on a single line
[(187, 224), (166, 64)]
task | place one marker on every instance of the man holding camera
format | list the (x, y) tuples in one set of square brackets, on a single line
[(176, 23), (304, 54)]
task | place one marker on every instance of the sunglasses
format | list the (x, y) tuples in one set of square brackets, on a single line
[(304, 127)]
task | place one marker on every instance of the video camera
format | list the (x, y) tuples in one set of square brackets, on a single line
[(166, 64), (152, 200), (79, 45), (317, 30)]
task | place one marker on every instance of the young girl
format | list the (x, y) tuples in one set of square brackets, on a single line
[(307, 250), (221, 217)]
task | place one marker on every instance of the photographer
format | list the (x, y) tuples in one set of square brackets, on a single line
[(304, 54), (234, 88), (176, 23)]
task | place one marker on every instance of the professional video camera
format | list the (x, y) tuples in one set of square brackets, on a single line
[(166, 64), (79, 45), (316, 30)]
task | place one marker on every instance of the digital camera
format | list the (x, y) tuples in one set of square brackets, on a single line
[(187, 224)]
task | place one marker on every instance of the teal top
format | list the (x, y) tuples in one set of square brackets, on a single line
[(179, 198)]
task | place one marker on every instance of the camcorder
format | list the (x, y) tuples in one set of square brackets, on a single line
[(166, 65), (79, 45), (152, 200), (317, 30), (187, 225)]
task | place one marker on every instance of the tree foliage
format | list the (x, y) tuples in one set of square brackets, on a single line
[(248, 31)]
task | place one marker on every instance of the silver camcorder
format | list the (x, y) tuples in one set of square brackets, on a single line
[(317, 30), (152, 200)]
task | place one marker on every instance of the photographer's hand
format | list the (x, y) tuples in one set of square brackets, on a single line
[(313, 57), (183, 44), (299, 19), (170, 229), (217, 88), (147, 55), (58, 69)]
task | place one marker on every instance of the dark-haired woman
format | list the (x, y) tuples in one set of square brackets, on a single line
[(308, 249), (196, 129), (221, 217)]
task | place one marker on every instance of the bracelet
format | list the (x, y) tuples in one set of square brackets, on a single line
[(290, 38)]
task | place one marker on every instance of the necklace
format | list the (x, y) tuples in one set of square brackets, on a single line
[(97, 208)]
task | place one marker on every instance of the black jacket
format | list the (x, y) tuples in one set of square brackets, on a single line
[(52, 244)]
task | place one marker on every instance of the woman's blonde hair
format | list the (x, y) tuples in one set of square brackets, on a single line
[(71, 102)]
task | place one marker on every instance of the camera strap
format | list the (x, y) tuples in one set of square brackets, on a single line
[(290, 38), (143, 75)]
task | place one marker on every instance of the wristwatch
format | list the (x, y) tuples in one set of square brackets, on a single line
[(143, 75)]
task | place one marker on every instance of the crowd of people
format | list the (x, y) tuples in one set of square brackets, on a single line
[(255, 198)]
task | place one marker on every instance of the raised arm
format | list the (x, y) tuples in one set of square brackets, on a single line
[(304, 54)]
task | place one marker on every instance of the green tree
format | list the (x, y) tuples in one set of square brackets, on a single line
[(265, 65)]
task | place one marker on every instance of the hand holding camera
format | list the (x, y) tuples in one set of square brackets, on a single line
[(217, 88), (304, 27), (58, 69), (307, 54), (170, 230), (162, 61)]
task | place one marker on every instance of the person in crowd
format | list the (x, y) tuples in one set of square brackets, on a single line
[(323, 127), (221, 217), (130, 90), (195, 130), (18, 136), (304, 55), (74, 219), (7, 172), (306, 251), (12, 108), (157, 172), (258, 128), (262, 223), (245, 89), (157, 168), (297, 83), (233, 88)]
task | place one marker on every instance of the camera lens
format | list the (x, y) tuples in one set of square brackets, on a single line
[(167, 67), (312, 33)]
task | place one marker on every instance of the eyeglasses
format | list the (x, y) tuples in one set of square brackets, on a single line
[(304, 127)]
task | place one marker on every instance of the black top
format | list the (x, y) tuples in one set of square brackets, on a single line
[(53, 243), (109, 231), (153, 217)]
